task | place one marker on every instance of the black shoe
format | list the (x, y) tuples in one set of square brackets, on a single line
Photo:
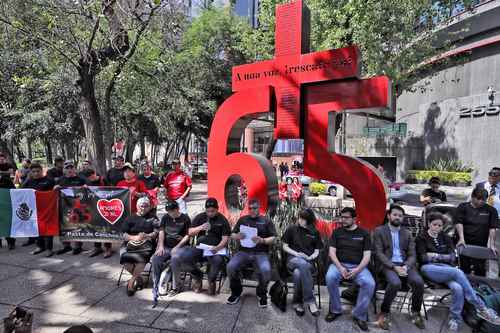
[(299, 310), (12, 247), (233, 299), (174, 292), (49, 254), (139, 284), (28, 243), (263, 302), (155, 302), (64, 250), (332, 316), (77, 250), (96, 252), (130, 292), (363, 325), (37, 251)]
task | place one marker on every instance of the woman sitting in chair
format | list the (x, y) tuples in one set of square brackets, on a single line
[(302, 243), (436, 254), (139, 233)]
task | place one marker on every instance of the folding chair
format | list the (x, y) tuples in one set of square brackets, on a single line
[(481, 253)]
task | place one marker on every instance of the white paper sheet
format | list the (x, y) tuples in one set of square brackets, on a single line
[(206, 250), (249, 232)]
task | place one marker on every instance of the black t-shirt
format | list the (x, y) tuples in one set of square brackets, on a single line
[(4, 167), (151, 182), (265, 228), (97, 182), (219, 226), (301, 239), (135, 224), (350, 244), (71, 181), (113, 176), (439, 195), (55, 173), (175, 229), (477, 222), (40, 184)]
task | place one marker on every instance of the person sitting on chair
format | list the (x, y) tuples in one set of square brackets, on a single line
[(173, 236), (139, 233), (395, 253), (212, 231), (436, 255), (476, 224), (257, 254), (433, 194), (302, 243), (350, 251)]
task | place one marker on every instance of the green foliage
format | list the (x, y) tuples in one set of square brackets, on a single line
[(318, 188), (447, 178), (453, 165)]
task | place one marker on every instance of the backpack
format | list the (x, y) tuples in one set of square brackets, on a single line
[(279, 294), (491, 298)]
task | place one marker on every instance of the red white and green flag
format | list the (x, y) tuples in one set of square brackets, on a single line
[(28, 213)]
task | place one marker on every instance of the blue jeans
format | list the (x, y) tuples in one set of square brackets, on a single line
[(260, 262), (458, 283), (157, 264), (367, 286), (302, 279)]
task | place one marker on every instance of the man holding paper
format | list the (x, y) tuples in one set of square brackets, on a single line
[(212, 232), (256, 234)]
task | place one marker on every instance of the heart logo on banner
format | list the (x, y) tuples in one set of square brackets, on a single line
[(110, 210)]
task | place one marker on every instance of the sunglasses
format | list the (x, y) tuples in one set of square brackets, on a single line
[(493, 174)]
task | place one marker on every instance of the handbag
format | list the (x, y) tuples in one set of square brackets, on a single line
[(279, 294), (140, 246), (18, 321)]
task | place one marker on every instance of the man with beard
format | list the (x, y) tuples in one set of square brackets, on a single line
[(70, 179), (39, 182), (350, 252), (396, 260)]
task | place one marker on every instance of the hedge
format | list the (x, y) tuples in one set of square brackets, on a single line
[(446, 177)]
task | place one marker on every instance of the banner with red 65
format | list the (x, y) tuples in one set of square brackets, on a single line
[(93, 213)]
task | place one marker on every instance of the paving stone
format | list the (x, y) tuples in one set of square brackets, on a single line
[(47, 322), (74, 296), (8, 271), (18, 289), (106, 327)]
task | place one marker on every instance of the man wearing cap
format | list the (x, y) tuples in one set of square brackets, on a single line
[(68, 180), (136, 187), (115, 174), (57, 171), (39, 182), (212, 232), (433, 194), (254, 253), (173, 236), (178, 185)]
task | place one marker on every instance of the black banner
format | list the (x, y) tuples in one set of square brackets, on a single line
[(93, 213)]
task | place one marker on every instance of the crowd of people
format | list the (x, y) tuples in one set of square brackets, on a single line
[(390, 253)]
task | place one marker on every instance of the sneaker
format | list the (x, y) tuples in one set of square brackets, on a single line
[(453, 326), (37, 251), (362, 324), (49, 254), (64, 250), (77, 250), (332, 316), (313, 308), (384, 321), (97, 251), (489, 315), (233, 299), (11, 247), (417, 320), (262, 302), (299, 309), (108, 254)]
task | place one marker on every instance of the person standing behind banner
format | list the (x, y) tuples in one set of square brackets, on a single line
[(115, 174), (22, 174), (57, 171), (38, 182), (153, 183), (6, 170), (86, 165), (476, 224), (70, 179), (178, 185), (136, 187)]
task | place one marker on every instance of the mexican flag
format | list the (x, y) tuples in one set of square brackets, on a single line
[(28, 213)]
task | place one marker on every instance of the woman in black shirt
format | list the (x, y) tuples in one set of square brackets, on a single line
[(302, 243), (139, 234), (436, 254)]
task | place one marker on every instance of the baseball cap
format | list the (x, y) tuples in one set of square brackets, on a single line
[(128, 166), (171, 205), (68, 163), (211, 203)]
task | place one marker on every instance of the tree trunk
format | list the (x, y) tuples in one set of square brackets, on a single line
[(142, 142), (91, 120), (69, 147), (30, 149), (4, 148), (48, 152)]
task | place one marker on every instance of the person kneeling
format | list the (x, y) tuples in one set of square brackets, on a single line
[(436, 254), (254, 251), (173, 236), (139, 235), (212, 230), (350, 251), (302, 243)]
